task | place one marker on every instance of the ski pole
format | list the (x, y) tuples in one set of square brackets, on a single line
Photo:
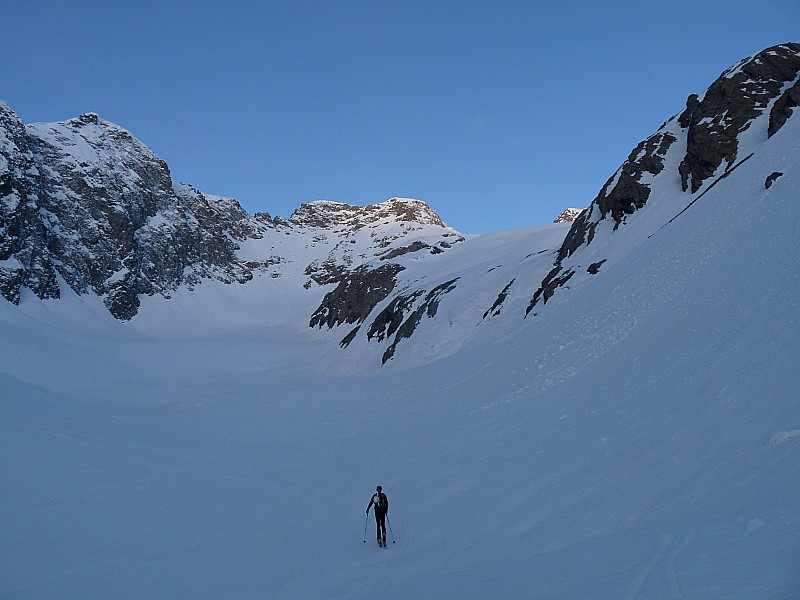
[(390, 528), (365, 527)]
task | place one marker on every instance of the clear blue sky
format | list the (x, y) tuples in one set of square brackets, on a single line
[(498, 114)]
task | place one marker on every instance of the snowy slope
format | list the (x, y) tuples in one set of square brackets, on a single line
[(637, 436)]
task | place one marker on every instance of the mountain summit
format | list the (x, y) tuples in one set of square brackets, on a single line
[(85, 202), (324, 214)]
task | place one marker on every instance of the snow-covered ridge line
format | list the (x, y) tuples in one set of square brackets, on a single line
[(664, 176), (91, 206), (732, 119), (84, 201), (328, 214)]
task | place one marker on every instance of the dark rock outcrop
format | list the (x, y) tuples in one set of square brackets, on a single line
[(413, 247), (324, 272), (624, 193), (783, 108), (85, 201), (324, 214), (553, 281), (711, 126), (392, 320), (494, 310), (594, 268), (24, 253), (729, 106), (356, 295), (771, 179), (568, 215)]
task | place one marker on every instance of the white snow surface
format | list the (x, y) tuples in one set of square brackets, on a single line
[(638, 437)]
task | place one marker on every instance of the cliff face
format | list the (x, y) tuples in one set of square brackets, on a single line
[(85, 204), (716, 133)]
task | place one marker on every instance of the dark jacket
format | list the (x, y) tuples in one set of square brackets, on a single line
[(380, 502)]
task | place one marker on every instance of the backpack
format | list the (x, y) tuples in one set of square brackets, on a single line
[(380, 502)]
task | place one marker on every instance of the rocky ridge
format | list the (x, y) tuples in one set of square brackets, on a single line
[(85, 204), (72, 211), (568, 215), (686, 157), (84, 201), (324, 214), (716, 133)]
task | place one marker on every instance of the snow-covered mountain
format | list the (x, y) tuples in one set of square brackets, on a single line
[(665, 175), (717, 133), (200, 402), (86, 202)]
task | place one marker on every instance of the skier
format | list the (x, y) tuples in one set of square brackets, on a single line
[(381, 504)]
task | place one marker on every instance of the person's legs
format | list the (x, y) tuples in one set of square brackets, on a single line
[(382, 528)]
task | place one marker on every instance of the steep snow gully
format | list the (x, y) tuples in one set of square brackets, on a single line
[(635, 436)]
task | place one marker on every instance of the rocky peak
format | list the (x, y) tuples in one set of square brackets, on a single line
[(11, 126), (86, 204), (89, 118), (568, 215), (86, 201), (325, 214), (711, 126), (718, 131), (715, 120)]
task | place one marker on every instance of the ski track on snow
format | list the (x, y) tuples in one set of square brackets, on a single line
[(671, 551)]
